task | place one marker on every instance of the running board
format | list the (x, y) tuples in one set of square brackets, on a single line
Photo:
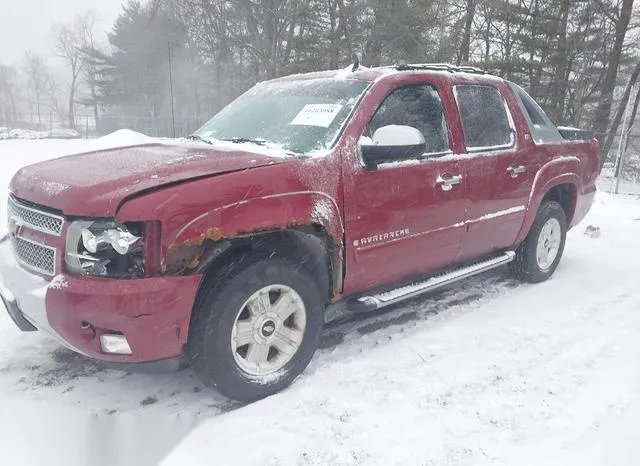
[(386, 298)]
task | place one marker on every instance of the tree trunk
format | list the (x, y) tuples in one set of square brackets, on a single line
[(603, 111), (342, 24), (634, 112), (94, 99), (463, 53), (72, 99), (38, 110), (624, 137), (487, 41), (269, 31), (558, 84), (621, 108), (333, 39), (373, 47)]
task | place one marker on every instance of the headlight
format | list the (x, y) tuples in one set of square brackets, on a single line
[(105, 248), (119, 238)]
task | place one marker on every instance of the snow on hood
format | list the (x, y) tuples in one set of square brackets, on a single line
[(93, 184), (120, 138)]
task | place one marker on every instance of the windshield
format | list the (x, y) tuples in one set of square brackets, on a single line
[(298, 116)]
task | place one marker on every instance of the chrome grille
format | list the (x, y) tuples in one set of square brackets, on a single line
[(37, 257), (33, 218)]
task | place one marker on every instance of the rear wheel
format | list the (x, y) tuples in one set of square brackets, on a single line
[(540, 253), (255, 327)]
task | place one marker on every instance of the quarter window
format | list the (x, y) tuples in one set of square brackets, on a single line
[(541, 128), (484, 117), (417, 106)]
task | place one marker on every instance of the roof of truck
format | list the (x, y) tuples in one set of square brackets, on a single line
[(373, 74)]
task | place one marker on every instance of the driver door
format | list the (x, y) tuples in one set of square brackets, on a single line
[(401, 218)]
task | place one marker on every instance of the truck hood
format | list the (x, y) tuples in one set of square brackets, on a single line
[(94, 184)]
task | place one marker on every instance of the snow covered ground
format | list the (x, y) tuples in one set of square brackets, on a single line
[(491, 371), (6, 133)]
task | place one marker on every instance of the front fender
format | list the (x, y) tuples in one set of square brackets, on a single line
[(267, 213), (236, 205), (560, 170)]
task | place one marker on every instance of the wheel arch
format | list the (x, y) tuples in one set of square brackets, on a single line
[(562, 189), (310, 245), (308, 223), (565, 194)]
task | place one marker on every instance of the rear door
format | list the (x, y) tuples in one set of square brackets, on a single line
[(402, 219), (499, 170)]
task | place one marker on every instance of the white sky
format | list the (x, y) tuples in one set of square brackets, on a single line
[(26, 24)]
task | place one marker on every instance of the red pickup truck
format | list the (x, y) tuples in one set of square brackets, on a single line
[(360, 187)]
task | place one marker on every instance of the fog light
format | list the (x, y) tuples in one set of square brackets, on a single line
[(115, 344)]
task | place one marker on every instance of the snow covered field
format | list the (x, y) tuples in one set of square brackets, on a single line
[(489, 372)]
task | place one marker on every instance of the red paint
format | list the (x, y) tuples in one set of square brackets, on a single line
[(148, 311), (489, 187), (189, 192), (95, 184)]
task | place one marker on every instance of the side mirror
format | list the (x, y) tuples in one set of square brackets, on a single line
[(392, 143)]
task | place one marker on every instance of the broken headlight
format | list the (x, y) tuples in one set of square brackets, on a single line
[(105, 248)]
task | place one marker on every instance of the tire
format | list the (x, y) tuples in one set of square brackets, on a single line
[(229, 304), (528, 266)]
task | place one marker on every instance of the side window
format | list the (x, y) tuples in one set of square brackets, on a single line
[(540, 126), (484, 117), (418, 106)]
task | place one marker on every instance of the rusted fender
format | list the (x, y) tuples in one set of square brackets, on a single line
[(560, 170), (251, 216), (214, 209), (183, 246), (266, 213)]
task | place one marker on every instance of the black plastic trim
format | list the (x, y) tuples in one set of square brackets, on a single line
[(149, 367), (16, 315)]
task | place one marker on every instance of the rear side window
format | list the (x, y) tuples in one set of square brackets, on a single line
[(540, 126), (418, 106), (484, 117)]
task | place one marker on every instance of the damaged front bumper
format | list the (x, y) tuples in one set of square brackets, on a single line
[(151, 314)]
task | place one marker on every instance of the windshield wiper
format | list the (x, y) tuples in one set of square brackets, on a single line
[(260, 142), (195, 137)]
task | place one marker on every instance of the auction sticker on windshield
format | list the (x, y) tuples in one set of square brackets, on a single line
[(317, 115)]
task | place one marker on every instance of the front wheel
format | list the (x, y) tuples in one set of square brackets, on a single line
[(256, 327), (540, 253)]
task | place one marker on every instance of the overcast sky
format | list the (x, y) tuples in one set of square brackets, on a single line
[(26, 24)]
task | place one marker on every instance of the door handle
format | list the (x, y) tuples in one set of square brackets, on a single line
[(447, 183), (515, 171)]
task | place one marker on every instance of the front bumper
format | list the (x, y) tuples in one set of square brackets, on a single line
[(153, 313)]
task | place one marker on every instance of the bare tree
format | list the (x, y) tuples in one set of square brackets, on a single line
[(36, 71), (565, 52), (560, 61), (52, 89), (621, 15), (90, 69), (635, 75), (69, 41), (8, 94)]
